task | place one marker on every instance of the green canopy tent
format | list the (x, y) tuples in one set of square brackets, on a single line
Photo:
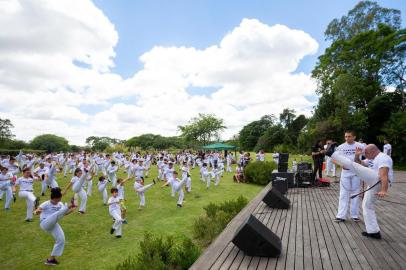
[(220, 146)]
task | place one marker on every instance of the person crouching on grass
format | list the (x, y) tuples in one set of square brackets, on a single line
[(115, 212), (51, 212)]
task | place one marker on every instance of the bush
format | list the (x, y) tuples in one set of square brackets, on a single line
[(162, 254), (259, 172), (216, 218)]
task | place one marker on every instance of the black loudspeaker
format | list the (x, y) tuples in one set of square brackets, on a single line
[(283, 158), (283, 167), (304, 178), (279, 176), (302, 166), (280, 181), (275, 199), (255, 239)]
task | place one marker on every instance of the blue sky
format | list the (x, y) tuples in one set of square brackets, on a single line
[(202, 23)]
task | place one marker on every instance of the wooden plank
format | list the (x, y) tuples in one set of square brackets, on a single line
[(355, 258), (211, 254), (299, 258), (324, 254), (314, 243), (307, 247), (277, 227), (281, 261)]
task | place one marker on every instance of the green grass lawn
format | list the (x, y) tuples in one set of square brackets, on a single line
[(89, 244)]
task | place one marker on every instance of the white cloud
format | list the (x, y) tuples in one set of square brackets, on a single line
[(42, 89)]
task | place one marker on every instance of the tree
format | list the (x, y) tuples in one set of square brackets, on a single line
[(273, 136), (249, 134), (50, 143), (101, 143), (5, 130), (286, 117), (202, 129), (365, 16)]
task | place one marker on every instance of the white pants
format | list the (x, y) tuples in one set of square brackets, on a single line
[(177, 187), (229, 169), (217, 179), (50, 225), (43, 186), (5, 187), (89, 187), (102, 189), (349, 185), (83, 199), (140, 189), (207, 179), (330, 166), (118, 221), (370, 177), (113, 180), (188, 184), (368, 209), (30, 199), (65, 170)]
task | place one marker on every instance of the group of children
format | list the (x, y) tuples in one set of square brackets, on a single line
[(84, 168)]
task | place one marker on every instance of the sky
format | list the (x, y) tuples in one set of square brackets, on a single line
[(124, 68)]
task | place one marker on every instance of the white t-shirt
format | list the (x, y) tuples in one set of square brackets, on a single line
[(381, 161), (114, 204), (139, 171), (120, 191), (348, 150), (26, 184), (42, 171), (6, 177), (387, 149), (48, 208)]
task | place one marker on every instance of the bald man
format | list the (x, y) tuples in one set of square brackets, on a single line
[(378, 177)]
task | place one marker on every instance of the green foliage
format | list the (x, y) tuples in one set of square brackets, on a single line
[(365, 16), (5, 130), (395, 131), (152, 141), (117, 148), (208, 226), (101, 143), (273, 136), (14, 152), (50, 143), (13, 144), (249, 134), (259, 172), (163, 254), (202, 129)]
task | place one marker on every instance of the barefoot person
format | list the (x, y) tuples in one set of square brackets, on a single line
[(51, 212), (378, 178)]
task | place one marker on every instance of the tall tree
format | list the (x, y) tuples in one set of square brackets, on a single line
[(365, 16), (5, 130), (50, 143), (250, 133), (203, 129), (287, 116)]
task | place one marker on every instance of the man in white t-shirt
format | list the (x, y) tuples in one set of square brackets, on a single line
[(387, 148), (377, 172), (350, 183), (382, 164)]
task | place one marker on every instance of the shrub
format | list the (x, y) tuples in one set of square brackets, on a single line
[(259, 172), (157, 253), (208, 226)]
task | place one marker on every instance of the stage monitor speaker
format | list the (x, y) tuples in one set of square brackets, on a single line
[(280, 181), (275, 199), (283, 158), (255, 239)]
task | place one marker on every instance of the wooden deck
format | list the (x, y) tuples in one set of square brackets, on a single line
[(311, 240)]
